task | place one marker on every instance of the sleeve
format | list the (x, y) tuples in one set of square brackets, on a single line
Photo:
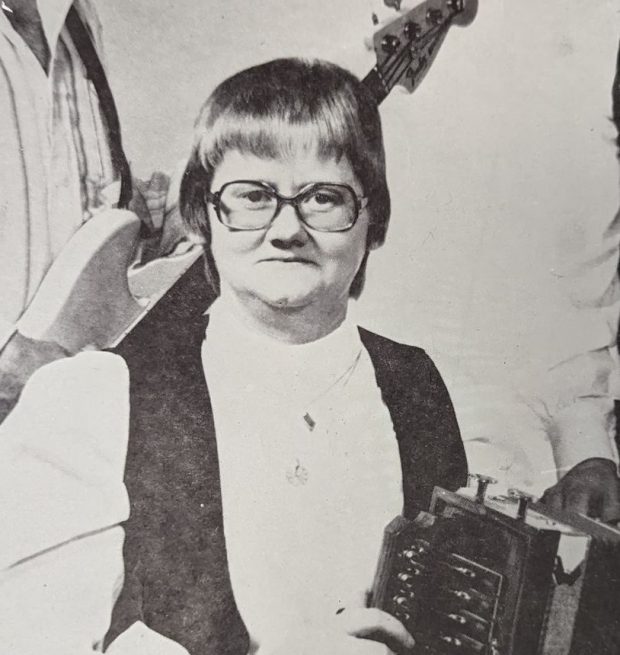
[(581, 381), (502, 435), (62, 500), (582, 423), (581, 378), (572, 390)]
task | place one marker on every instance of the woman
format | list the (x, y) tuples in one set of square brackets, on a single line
[(267, 454)]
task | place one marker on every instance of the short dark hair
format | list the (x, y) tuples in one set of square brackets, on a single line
[(271, 110)]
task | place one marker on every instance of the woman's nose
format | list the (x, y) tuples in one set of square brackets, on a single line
[(287, 227)]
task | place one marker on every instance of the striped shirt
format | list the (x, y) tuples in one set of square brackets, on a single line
[(55, 168)]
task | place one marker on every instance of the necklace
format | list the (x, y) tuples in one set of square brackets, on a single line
[(5, 8), (299, 474), (343, 378)]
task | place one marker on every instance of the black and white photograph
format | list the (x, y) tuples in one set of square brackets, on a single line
[(309, 324)]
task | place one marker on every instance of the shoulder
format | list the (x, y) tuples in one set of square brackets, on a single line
[(73, 408), (398, 360), (379, 342), (176, 321), (423, 417), (410, 383), (94, 376), (62, 454)]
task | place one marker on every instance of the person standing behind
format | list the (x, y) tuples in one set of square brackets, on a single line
[(62, 160)]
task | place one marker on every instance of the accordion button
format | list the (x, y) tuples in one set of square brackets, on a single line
[(407, 579)]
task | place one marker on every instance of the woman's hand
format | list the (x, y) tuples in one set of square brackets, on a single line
[(355, 631), (377, 626)]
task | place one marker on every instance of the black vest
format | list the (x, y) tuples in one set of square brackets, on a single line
[(176, 573)]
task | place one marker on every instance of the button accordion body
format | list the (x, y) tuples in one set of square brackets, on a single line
[(476, 576)]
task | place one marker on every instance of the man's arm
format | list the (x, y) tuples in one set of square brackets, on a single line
[(581, 431)]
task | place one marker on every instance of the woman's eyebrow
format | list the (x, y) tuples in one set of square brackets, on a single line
[(298, 188)]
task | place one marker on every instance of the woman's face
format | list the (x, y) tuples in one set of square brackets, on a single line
[(287, 264)]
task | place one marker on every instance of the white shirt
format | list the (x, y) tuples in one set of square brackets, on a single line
[(310, 473), (55, 166)]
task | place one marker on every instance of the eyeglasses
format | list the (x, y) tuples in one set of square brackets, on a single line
[(252, 205)]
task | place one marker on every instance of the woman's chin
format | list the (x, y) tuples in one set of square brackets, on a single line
[(287, 298)]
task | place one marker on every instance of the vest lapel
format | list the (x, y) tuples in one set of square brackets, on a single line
[(429, 441), (175, 550)]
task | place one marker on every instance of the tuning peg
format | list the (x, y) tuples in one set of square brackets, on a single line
[(467, 10), (434, 16), (456, 6), (412, 31), (389, 44), (483, 482), (524, 499)]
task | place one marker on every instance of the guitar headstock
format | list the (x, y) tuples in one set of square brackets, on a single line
[(406, 46)]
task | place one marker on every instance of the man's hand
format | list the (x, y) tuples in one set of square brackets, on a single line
[(154, 202), (19, 359), (356, 631), (591, 487)]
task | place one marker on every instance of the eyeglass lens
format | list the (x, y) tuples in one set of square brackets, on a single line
[(252, 206)]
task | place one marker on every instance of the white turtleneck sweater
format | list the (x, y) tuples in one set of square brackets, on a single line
[(310, 472)]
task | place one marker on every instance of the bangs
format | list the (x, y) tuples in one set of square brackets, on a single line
[(326, 127)]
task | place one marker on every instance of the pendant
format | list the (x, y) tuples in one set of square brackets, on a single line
[(310, 422), (297, 476)]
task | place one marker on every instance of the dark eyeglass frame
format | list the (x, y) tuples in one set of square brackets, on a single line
[(294, 201)]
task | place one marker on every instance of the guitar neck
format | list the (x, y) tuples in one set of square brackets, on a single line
[(407, 46), (375, 85)]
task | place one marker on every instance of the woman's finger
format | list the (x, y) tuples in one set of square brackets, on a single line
[(374, 624)]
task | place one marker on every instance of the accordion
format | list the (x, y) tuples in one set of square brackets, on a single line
[(501, 576)]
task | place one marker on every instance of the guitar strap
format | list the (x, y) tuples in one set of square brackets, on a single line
[(83, 42)]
